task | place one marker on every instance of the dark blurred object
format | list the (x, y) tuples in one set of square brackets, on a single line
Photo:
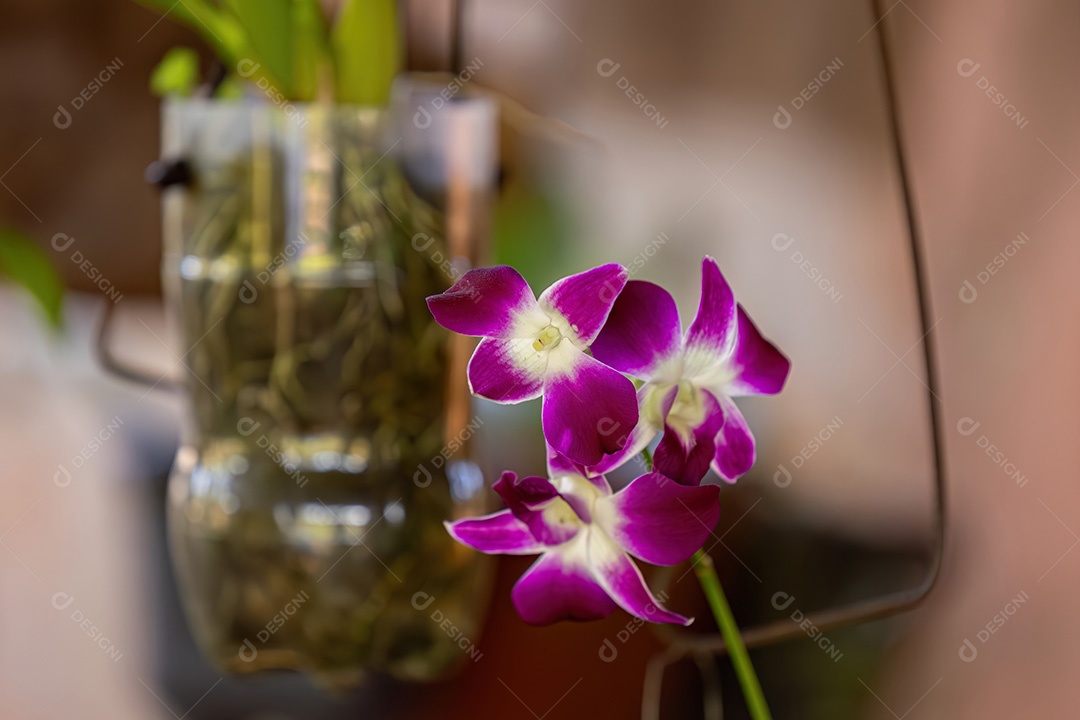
[(165, 173)]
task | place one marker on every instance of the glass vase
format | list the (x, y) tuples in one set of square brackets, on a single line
[(328, 436)]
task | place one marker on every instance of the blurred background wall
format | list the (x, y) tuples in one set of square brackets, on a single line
[(988, 113)]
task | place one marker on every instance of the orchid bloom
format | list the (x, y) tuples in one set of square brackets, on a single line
[(690, 379), (534, 347), (585, 536)]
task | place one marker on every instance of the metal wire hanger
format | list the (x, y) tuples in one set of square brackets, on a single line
[(682, 644)]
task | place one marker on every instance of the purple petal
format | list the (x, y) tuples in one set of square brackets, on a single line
[(662, 522), (641, 332), (584, 300), (554, 589), (536, 503), (589, 409), (645, 430), (734, 444), (623, 581), (686, 458), (710, 339), (760, 368), (524, 494), (497, 534), (507, 370), (485, 302), (561, 466)]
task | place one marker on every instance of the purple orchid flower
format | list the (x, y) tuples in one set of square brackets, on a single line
[(534, 347), (585, 536), (690, 379)]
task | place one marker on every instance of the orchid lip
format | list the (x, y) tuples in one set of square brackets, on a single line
[(588, 539), (580, 494), (565, 519), (688, 403)]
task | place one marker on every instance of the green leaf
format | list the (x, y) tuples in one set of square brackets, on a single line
[(268, 27), (309, 48), (367, 51), (176, 74), (231, 88), (22, 261), (220, 31)]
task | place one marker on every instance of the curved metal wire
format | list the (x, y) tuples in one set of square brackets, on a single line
[(712, 688), (895, 603), (121, 369)]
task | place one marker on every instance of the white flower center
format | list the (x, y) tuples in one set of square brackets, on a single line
[(548, 338), (687, 412), (561, 514), (580, 493), (689, 405)]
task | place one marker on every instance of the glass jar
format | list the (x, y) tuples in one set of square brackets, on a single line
[(329, 433)]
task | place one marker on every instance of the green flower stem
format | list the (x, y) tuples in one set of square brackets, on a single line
[(710, 585)]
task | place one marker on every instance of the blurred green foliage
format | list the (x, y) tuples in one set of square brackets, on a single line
[(531, 230), (288, 47), (177, 73), (25, 264)]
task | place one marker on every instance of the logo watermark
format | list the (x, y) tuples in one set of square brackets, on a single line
[(782, 601), (63, 118), (453, 269), (968, 292), (647, 253), (967, 427), (248, 650), (609, 651), (608, 67), (782, 477), (247, 426), (967, 68), (422, 477), (422, 601), (610, 291), (62, 477), (248, 292), (422, 116), (968, 650), (782, 119), (248, 67), (781, 242), (61, 242), (62, 601)]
